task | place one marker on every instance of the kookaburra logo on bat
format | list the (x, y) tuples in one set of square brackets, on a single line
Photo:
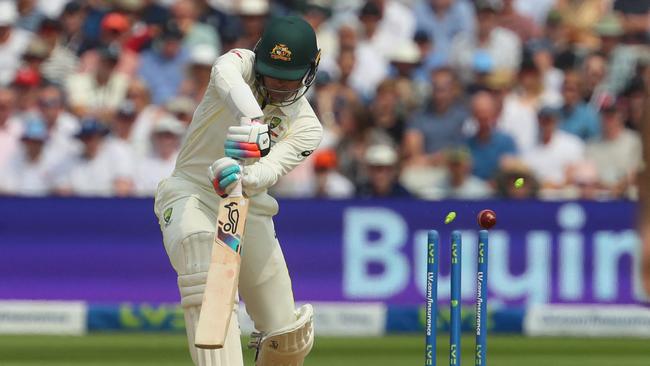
[(233, 218)]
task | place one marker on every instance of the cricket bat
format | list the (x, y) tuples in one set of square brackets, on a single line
[(223, 273)]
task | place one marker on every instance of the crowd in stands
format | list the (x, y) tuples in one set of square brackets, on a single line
[(431, 99)]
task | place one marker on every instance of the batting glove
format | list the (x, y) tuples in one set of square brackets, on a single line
[(244, 142), (224, 174)]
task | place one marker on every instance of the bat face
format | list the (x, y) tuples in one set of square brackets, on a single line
[(223, 274)]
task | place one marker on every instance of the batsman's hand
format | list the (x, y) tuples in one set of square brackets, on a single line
[(244, 142), (224, 174)]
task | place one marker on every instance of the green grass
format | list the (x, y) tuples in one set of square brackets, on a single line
[(170, 349)]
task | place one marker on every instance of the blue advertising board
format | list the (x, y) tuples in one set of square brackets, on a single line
[(110, 250)]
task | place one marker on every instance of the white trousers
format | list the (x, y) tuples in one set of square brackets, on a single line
[(187, 215)]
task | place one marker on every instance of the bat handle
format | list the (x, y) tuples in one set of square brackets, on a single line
[(238, 190)]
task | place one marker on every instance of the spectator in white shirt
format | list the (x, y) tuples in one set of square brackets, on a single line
[(617, 153), (100, 92), (28, 172), (13, 42), (60, 124), (150, 170), (502, 45), (10, 126), (104, 168), (459, 182), (554, 152)]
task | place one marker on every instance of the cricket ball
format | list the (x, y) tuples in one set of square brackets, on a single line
[(486, 219)]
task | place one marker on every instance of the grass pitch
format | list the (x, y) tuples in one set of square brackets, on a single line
[(147, 349)]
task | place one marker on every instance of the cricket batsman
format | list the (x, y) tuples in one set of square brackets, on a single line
[(265, 89)]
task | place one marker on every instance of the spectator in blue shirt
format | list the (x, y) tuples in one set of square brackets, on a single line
[(443, 20), (576, 116), (439, 125), (166, 58), (488, 146)]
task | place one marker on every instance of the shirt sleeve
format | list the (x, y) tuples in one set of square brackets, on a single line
[(234, 71), (303, 138)]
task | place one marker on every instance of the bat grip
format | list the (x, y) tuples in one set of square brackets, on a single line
[(238, 190)]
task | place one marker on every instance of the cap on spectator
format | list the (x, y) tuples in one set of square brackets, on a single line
[(548, 111), (381, 155), (406, 52), (49, 25), (500, 79), (180, 105), (115, 22), (72, 7), (168, 124), (203, 55), (171, 31), (325, 159), (421, 36), (253, 7), (35, 129), (487, 6), (8, 13), (322, 78), (458, 155), (370, 9), (554, 18), (127, 109), (609, 26), (539, 45), (111, 53), (27, 77), (37, 48), (482, 62), (91, 127), (318, 6)]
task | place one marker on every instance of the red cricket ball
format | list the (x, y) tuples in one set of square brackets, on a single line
[(486, 219)]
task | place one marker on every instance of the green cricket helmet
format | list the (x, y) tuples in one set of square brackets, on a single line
[(287, 51)]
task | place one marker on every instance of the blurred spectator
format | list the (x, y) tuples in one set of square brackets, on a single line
[(635, 18), (356, 135), (121, 125), (317, 13), (147, 116), (26, 85), (580, 17), (488, 146), (443, 20), (182, 108), (538, 10), (103, 168), (519, 114), (554, 152), (459, 182), (99, 92), (115, 33), (30, 16), (576, 116), (387, 111), (253, 15), (411, 87), (328, 182), (556, 35), (168, 57), (523, 25), (198, 73), (632, 101), (439, 125), (13, 42), (387, 25), (28, 173), (185, 14), (541, 52), (502, 45), (382, 166), (61, 125), (594, 89), (72, 20), (511, 170), (159, 164), (617, 154), (10, 126), (583, 182), (59, 62)]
